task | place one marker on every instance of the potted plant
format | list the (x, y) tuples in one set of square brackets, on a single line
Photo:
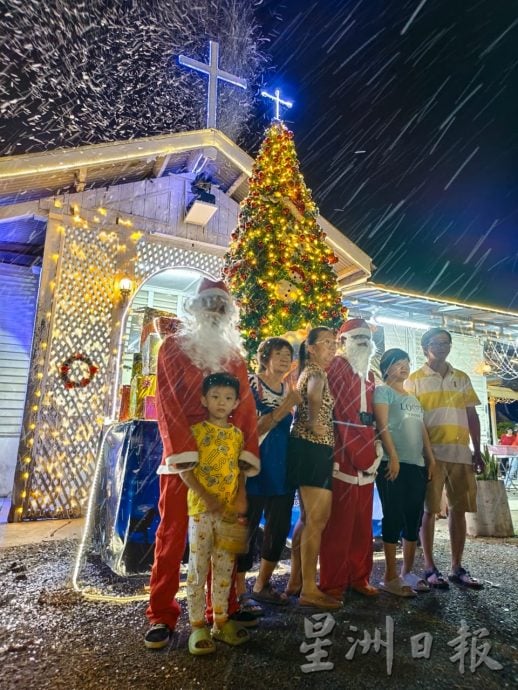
[(493, 517)]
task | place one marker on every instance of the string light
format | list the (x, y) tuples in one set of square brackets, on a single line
[(278, 265)]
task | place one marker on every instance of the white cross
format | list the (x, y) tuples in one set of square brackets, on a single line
[(214, 73), (278, 101)]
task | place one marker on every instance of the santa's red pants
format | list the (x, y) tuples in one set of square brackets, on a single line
[(170, 540), (346, 546)]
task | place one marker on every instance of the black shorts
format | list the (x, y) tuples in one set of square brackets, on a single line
[(309, 464)]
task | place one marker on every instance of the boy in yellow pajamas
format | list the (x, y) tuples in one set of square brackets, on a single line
[(216, 493)]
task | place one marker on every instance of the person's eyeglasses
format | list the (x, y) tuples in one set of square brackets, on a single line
[(439, 343)]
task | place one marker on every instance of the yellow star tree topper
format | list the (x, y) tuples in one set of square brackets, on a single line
[(278, 266)]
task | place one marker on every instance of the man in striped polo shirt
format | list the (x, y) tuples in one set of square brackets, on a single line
[(450, 417)]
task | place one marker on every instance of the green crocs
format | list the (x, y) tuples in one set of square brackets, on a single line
[(200, 642), (231, 633)]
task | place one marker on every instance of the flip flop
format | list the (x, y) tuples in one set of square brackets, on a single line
[(254, 610), (397, 587), (435, 579), (231, 633), (417, 583), (201, 636), (462, 577), (292, 592), (269, 595), (320, 602)]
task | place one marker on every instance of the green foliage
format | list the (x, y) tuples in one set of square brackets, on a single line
[(278, 266), (491, 466), (501, 428)]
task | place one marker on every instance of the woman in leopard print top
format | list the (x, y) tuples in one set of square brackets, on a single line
[(310, 463)]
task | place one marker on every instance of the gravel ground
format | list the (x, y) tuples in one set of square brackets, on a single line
[(52, 637)]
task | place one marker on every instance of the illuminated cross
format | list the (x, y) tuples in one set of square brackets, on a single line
[(214, 73), (278, 101)]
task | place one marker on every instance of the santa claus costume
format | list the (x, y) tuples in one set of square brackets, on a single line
[(207, 342), (346, 547)]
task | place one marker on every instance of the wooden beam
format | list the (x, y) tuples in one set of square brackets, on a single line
[(236, 184), (160, 164), (80, 179)]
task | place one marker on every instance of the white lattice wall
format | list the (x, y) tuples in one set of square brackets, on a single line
[(81, 311)]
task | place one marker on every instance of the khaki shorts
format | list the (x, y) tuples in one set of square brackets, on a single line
[(461, 488)]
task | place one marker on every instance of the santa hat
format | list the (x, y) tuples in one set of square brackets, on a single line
[(212, 288), (354, 327)]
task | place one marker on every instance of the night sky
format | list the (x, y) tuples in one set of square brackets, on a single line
[(428, 90), (405, 113)]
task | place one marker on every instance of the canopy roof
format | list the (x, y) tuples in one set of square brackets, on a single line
[(371, 299)]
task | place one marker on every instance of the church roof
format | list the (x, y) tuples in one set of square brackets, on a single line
[(33, 176)]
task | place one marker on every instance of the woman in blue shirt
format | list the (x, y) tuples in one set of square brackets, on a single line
[(403, 473), (269, 491)]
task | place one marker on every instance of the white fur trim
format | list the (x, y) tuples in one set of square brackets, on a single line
[(213, 292), (361, 479), (379, 454), (174, 464), (357, 331)]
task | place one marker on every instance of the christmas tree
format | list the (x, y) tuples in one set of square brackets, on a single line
[(278, 266)]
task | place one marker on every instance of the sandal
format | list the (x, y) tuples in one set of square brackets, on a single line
[(269, 595), (417, 583), (292, 592), (245, 618), (231, 633), (246, 604), (253, 609), (397, 587), (435, 579), (462, 577), (200, 642), (321, 601)]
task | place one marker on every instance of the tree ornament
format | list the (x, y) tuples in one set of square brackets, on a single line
[(297, 275), (286, 291)]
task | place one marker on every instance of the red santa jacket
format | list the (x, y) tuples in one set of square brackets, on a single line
[(179, 406), (355, 450)]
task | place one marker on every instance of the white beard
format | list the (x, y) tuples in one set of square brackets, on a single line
[(211, 341), (359, 357)]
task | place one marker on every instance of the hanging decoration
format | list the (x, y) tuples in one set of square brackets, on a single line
[(64, 371), (501, 360)]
